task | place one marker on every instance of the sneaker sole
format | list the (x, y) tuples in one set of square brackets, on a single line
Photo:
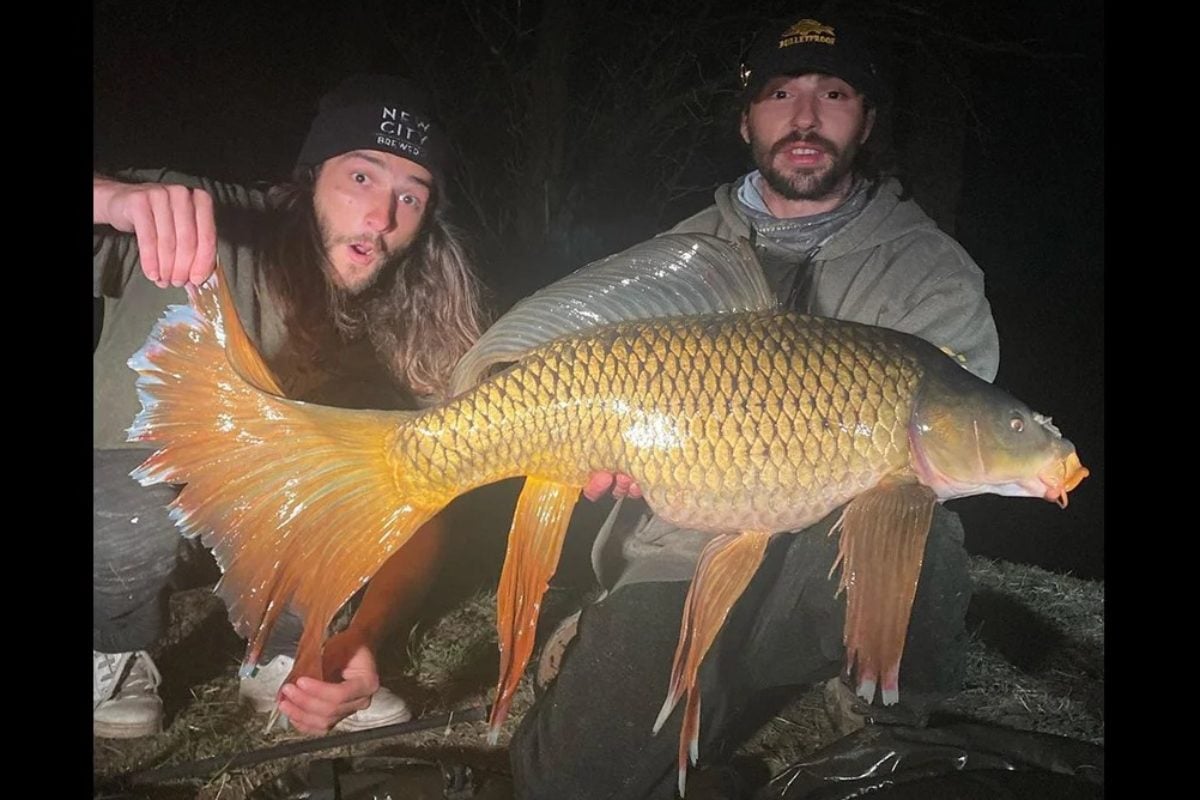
[(351, 725), (127, 730), (348, 725)]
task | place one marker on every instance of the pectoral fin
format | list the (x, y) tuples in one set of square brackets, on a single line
[(725, 567), (534, 543), (882, 547)]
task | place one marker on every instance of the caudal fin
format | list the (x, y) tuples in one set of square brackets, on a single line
[(301, 504)]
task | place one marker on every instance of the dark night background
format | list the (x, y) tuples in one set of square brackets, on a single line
[(585, 127)]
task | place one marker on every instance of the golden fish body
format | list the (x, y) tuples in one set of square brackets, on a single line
[(762, 421)]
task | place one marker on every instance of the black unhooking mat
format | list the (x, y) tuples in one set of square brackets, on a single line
[(953, 761)]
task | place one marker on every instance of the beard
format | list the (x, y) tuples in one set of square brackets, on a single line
[(355, 310), (805, 183), (329, 242)]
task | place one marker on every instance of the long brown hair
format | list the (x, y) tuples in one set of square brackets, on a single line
[(424, 311)]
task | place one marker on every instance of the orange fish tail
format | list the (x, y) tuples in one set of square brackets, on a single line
[(300, 504)]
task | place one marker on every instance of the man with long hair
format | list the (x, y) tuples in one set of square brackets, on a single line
[(357, 292)]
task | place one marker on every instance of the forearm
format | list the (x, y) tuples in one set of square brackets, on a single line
[(106, 187), (103, 189)]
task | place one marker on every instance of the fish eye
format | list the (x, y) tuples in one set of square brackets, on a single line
[(1017, 424)]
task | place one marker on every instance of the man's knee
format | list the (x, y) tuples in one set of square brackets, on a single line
[(600, 708), (936, 647)]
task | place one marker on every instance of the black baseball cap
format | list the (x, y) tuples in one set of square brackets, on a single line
[(809, 43)]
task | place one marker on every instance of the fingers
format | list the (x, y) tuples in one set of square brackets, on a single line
[(176, 232), (599, 482), (183, 236), (625, 485), (139, 213), (164, 234), (188, 248), (316, 706), (597, 485), (206, 239)]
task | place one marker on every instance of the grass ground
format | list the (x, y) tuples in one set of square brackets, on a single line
[(1036, 663)]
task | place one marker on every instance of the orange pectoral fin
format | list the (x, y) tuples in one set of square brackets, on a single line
[(534, 545), (882, 547), (725, 567)]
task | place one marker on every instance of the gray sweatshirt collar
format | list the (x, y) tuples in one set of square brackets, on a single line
[(800, 235)]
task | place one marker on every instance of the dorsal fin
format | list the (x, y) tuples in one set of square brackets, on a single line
[(668, 276)]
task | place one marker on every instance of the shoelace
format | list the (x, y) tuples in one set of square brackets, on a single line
[(146, 678), (106, 674)]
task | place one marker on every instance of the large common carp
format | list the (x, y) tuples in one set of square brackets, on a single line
[(733, 417)]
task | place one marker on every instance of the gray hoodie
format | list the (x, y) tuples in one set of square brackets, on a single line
[(890, 266)]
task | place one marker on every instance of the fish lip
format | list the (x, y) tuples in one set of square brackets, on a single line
[(1061, 477)]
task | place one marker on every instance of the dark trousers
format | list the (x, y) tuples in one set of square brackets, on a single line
[(136, 549), (589, 735)]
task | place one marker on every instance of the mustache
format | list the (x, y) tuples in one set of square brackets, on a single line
[(796, 137)]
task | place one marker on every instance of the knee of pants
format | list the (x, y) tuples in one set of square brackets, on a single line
[(600, 709), (935, 649), (135, 544)]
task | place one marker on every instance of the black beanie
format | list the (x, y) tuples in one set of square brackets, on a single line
[(377, 112)]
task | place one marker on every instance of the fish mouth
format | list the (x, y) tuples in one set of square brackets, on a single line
[(1061, 477)]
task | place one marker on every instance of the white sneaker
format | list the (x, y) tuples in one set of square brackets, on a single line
[(261, 689), (125, 701)]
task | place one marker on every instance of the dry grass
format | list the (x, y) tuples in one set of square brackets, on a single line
[(1036, 663)]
